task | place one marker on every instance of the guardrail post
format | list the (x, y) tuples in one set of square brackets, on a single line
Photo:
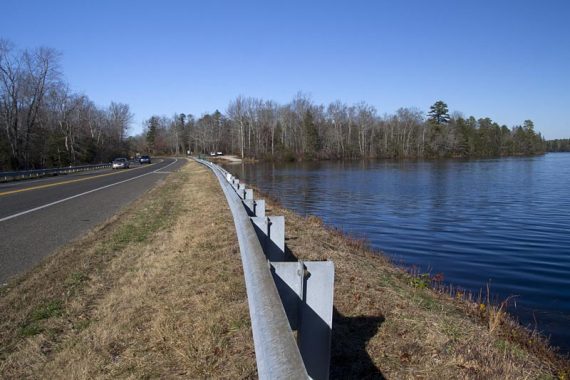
[(306, 291), (259, 207), (271, 232), (255, 207), (315, 330), (241, 190)]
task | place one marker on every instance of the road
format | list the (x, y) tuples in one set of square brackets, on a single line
[(38, 216)]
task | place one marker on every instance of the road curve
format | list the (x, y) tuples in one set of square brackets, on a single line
[(38, 216)]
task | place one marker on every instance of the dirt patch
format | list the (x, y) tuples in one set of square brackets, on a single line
[(230, 158), (156, 292)]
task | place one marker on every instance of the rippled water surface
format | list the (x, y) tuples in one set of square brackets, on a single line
[(501, 221)]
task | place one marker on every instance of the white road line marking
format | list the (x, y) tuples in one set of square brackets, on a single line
[(81, 194)]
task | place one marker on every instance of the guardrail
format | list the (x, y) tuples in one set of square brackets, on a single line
[(11, 176), (282, 295)]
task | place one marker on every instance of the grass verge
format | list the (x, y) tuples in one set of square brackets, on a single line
[(155, 292)]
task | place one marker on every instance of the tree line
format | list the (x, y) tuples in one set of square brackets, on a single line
[(558, 145), (44, 124), (301, 129)]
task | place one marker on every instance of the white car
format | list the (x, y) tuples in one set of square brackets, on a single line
[(121, 163)]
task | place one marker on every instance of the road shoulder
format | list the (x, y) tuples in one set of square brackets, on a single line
[(155, 291)]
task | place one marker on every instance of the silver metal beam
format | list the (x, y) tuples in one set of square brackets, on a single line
[(276, 351), (6, 176)]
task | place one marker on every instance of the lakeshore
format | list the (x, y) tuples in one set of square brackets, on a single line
[(157, 291), (498, 223)]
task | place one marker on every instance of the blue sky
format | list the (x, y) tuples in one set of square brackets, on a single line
[(508, 60)]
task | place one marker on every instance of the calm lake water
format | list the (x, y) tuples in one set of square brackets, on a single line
[(500, 221)]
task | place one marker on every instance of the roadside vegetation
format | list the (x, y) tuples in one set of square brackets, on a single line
[(158, 292)]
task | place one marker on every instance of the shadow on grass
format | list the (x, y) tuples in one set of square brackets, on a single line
[(350, 335), (349, 358)]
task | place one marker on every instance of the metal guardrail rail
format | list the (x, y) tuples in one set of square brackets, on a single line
[(14, 175), (276, 351), (280, 294)]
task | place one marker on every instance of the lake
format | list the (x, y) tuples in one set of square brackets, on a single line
[(503, 222)]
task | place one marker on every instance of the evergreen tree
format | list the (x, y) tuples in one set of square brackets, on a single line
[(151, 133), (439, 113), (311, 134)]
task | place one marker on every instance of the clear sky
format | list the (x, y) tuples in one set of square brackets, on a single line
[(508, 60)]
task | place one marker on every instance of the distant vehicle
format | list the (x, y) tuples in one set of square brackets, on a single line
[(121, 163), (212, 153), (219, 154), (144, 160)]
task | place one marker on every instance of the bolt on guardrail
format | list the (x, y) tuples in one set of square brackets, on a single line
[(282, 295)]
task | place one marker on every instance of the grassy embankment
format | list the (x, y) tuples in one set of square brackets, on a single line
[(158, 292)]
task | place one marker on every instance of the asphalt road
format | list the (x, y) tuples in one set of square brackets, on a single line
[(38, 216)]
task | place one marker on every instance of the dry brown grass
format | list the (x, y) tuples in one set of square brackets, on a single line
[(156, 292)]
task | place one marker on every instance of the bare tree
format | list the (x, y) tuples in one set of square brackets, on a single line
[(119, 118), (238, 114), (25, 79)]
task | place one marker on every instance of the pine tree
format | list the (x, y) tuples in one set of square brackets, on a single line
[(311, 134), (439, 113), (151, 133)]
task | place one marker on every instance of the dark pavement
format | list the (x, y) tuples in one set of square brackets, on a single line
[(38, 216)]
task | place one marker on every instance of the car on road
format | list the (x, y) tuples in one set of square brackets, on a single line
[(121, 163), (144, 160)]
